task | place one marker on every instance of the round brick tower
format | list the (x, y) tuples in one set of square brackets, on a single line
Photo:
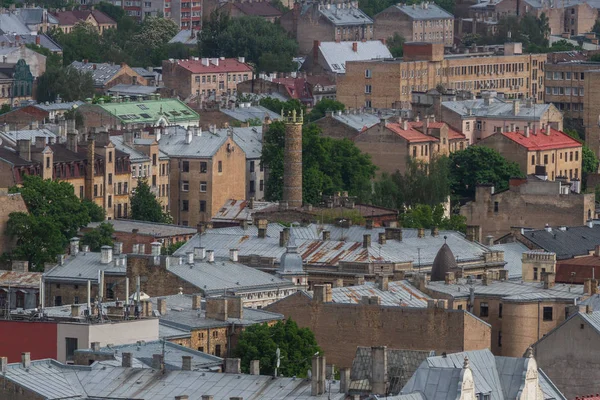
[(292, 159)]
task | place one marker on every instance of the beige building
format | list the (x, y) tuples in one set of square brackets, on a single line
[(546, 152), (572, 19), (529, 203), (424, 22), (67, 20), (390, 83), (206, 169), (480, 118), (205, 78), (565, 84)]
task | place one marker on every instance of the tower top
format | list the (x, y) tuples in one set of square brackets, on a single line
[(292, 117)]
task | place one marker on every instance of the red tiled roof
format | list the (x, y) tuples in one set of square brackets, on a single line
[(411, 134), (542, 141), (589, 397), (224, 65), (259, 9), (296, 87), (452, 134), (76, 16)]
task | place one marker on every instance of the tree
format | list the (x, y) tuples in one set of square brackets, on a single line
[(479, 164), (396, 45), (145, 206), (589, 161), (83, 42), (277, 105), (425, 216), (100, 236), (260, 342), (261, 42), (68, 83), (322, 107), (172, 248), (96, 213), (115, 12)]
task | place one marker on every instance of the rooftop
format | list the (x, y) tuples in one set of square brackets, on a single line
[(132, 90), (102, 73), (185, 36), (247, 112), (336, 54), (53, 381), (497, 108), (147, 228), (213, 65), (425, 10), (22, 38), (567, 243), (250, 141), (513, 253), (59, 106), (344, 16), (238, 210), (16, 279), (84, 266), (202, 144), (259, 9), (76, 16), (150, 111), (11, 137), (542, 139)]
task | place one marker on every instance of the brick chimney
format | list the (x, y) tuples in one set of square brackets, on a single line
[(355, 47), (366, 241), (233, 366), (161, 304), (318, 379), (322, 293), (126, 360), (379, 376), (255, 367), (186, 363), (24, 149), (196, 302), (216, 308)]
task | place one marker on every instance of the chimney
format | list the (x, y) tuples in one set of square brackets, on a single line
[(366, 241), (526, 131), (37, 40), (40, 142), (106, 255), (489, 240), (74, 310), (382, 238), (233, 255), (210, 256), (3, 364), (284, 236), (196, 302), (326, 235), (157, 361), (485, 278), (117, 247), (26, 360), (155, 248), (162, 306), (369, 224), (516, 107), (450, 278), (182, 397), (20, 266), (344, 380), (24, 149), (421, 233), (354, 47), (435, 232), (216, 308), (318, 379), (379, 370), (382, 282), (262, 233), (233, 366), (95, 346), (126, 360), (359, 280), (199, 253), (255, 367), (322, 293), (207, 397), (549, 279), (186, 363), (190, 257)]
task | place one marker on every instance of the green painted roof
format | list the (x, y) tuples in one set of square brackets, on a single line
[(150, 111)]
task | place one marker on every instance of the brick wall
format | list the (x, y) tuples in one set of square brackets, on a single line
[(8, 203), (331, 127), (12, 391)]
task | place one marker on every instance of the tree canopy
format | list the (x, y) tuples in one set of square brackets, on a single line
[(99, 236), (55, 216), (261, 42), (479, 164), (145, 206), (319, 110), (260, 342), (329, 165), (396, 45), (425, 216), (589, 161), (67, 82)]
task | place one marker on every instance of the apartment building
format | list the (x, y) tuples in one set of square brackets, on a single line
[(206, 169), (205, 77), (425, 22), (390, 83), (565, 86), (107, 75), (16, 83), (96, 18), (573, 18), (187, 14), (336, 22), (546, 152)]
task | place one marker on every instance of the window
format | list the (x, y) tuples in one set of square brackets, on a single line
[(185, 166), (261, 185), (500, 310), (532, 160), (545, 159), (70, 347), (110, 291), (202, 205), (203, 186), (252, 188), (571, 156), (496, 206), (367, 73), (185, 205), (220, 166), (368, 89), (499, 338), (251, 166), (185, 186), (535, 274), (201, 348), (576, 156), (110, 179), (203, 167), (483, 309), (58, 301), (368, 103), (109, 201), (47, 162), (467, 126), (95, 190), (218, 350), (547, 313), (460, 307)]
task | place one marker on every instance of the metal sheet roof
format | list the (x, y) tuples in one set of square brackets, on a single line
[(569, 243), (83, 266), (150, 111), (185, 36), (12, 136), (513, 253), (18, 279), (337, 54), (134, 154), (132, 90), (345, 16), (423, 11), (250, 141), (244, 113), (239, 210), (498, 108), (146, 228), (204, 145)]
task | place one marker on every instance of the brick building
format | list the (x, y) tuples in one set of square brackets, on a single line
[(574, 19), (310, 21), (529, 203), (547, 152), (19, 288), (205, 77), (263, 9), (390, 83), (433, 328), (96, 18), (424, 22), (107, 75)]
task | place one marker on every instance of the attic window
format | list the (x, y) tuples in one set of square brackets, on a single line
[(142, 106), (175, 113), (186, 112), (144, 115)]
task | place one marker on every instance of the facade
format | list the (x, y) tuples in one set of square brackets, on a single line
[(96, 18), (389, 83), (574, 19), (425, 22), (205, 77), (331, 57), (19, 288), (391, 144), (480, 118), (591, 111), (249, 140), (348, 124), (530, 203), (187, 14), (321, 87), (398, 327), (9, 203), (546, 152), (34, 60), (566, 85), (108, 75), (207, 168), (342, 21), (16, 83)]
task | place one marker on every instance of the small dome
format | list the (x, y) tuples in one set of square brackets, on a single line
[(444, 262), (291, 261)]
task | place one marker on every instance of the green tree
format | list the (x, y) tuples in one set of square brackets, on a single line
[(322, 107), (96, 213), (172, 248), (425, 216), (5, 108), (115, 12), (589, 161), (261, 42), (145, 206), (100, 236), (260, 342), (68, 83), (277, 105), (396, 45), (479, 164), (83, 42)]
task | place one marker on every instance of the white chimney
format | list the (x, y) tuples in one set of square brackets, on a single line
[(74, 246), (548, 228), (233, 255), (188, 136), (205, 62), (155, 248), (106, 255), (199, 253), (211, 255), (190, 257)]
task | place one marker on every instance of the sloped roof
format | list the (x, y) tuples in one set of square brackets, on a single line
[(422, 12), (214, 65), (239, 210), (513, 255), (146, 228), (102, 73), (45, 40), (83, 266), (185, 36), (11, 23), (569, 243), (132, 90), (244, 114), (202, 146), (411, 134), (75, 16), (543, 140), (337, 54), (18, 279), (497, 108), (452, 133), (150, 111), (344, 16)]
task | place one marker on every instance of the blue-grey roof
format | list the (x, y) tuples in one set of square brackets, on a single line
[(250, 140), (146, 228), (571, 242), (102, 73), (143, 352), (132, 90), (134, 154), (45, 41), (356, 121), (53, 381), (170, 332), (498, 108), (35, 15), (239, 210), (145, 72), (345, 16), (513, 255), (337, 54), (423, 11), (248, 112), (64, 105), (592, 318), (11, 137), (593, 301), (560, 4), (83, 266), (204, 145), (509, 290), (194, 319), (185, 36), (12, 24)]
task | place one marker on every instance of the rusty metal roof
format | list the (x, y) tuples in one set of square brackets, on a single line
[(238, 210), (20, 279)]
